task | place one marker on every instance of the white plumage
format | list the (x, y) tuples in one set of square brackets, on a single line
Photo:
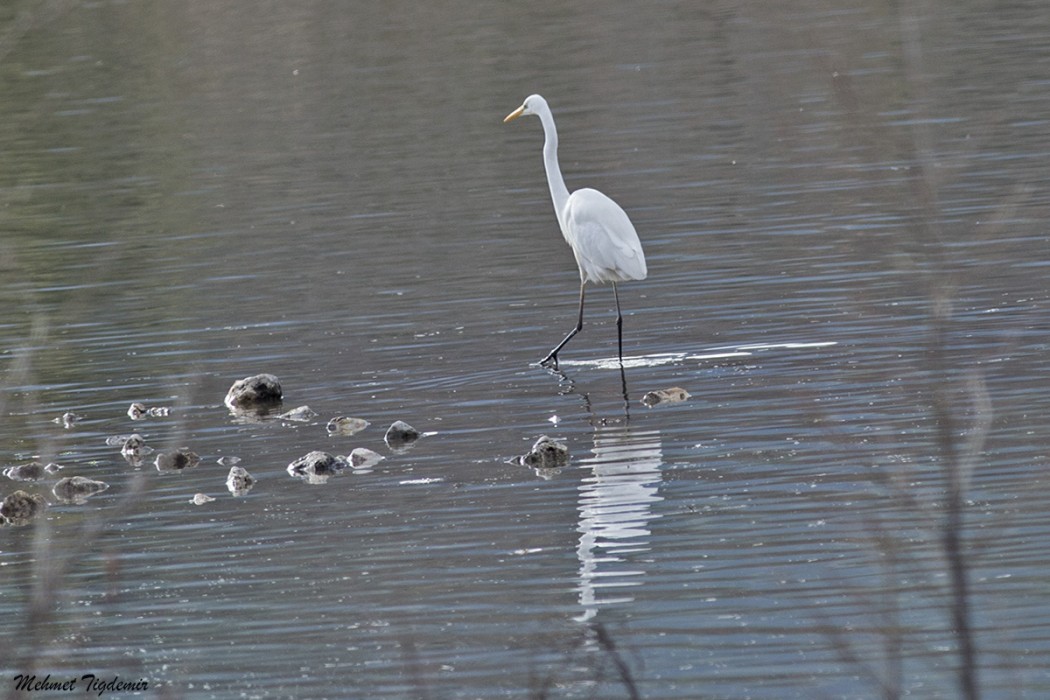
[(603, 239), (599, 231)]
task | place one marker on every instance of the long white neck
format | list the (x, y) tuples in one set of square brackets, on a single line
[(559, 193)]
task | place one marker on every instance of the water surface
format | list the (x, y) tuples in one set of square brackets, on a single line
[(325, 191)]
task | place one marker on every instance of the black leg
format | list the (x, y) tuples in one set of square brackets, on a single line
[(619, 345), (626, 399), (552, 356)]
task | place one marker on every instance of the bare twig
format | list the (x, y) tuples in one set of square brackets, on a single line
[(956, 465)]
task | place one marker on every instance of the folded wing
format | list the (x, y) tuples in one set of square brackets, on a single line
[(603, 238)]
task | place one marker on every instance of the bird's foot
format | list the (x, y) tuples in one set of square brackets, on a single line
[(550, 361)]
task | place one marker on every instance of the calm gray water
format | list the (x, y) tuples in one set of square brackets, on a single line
[(196, 192)]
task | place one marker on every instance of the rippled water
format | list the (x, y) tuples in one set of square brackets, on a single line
[(325, 191)]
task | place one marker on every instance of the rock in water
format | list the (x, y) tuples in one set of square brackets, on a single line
[(253, 393), (77, 489), (400, 435), (675, 394), (315, 467), (31, 471), (138, 411), (345, 425), (21, 507), (176, 461), (200, 499), (362, 457), (546, 453), (302, 414), (133, 447), (239, 481), (68, 419)]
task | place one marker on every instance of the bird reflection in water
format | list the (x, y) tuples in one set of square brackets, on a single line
[(615, 504), (616, 509)]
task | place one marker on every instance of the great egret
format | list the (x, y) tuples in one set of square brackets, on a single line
[(601, 235)]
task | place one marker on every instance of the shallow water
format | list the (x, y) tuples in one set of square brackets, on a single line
[(325, 191)]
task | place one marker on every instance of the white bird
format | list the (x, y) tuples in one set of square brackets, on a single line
[(601, 235)]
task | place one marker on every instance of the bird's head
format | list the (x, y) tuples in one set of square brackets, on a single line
[(533, 104)]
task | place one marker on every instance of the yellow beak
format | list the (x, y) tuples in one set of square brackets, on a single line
[(514, 115)]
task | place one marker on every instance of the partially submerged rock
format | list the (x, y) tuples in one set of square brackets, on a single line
[(302, 414), (133, 448), (316, 462), (316, 467), (21, 507), (400, 435), (68, 419), (675, 394), (258, 393), (31, 471), (200, 499), (138, 411), (362, 458), (77, 489), (239, 481), (133, 444), (546, 453), (176, 461), (345, 425)]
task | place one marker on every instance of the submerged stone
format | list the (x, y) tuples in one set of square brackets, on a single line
[(345, 425), (260, 392), (362, 458), (77, 489), (400, 435), (132, 445), (21, 507), (675, 394), (138, 411), (316, 462), (177, 460), (546, 453), (31, 471), (316, 467), (68, 419), (239, 481), (302, 414), (133, 448)]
